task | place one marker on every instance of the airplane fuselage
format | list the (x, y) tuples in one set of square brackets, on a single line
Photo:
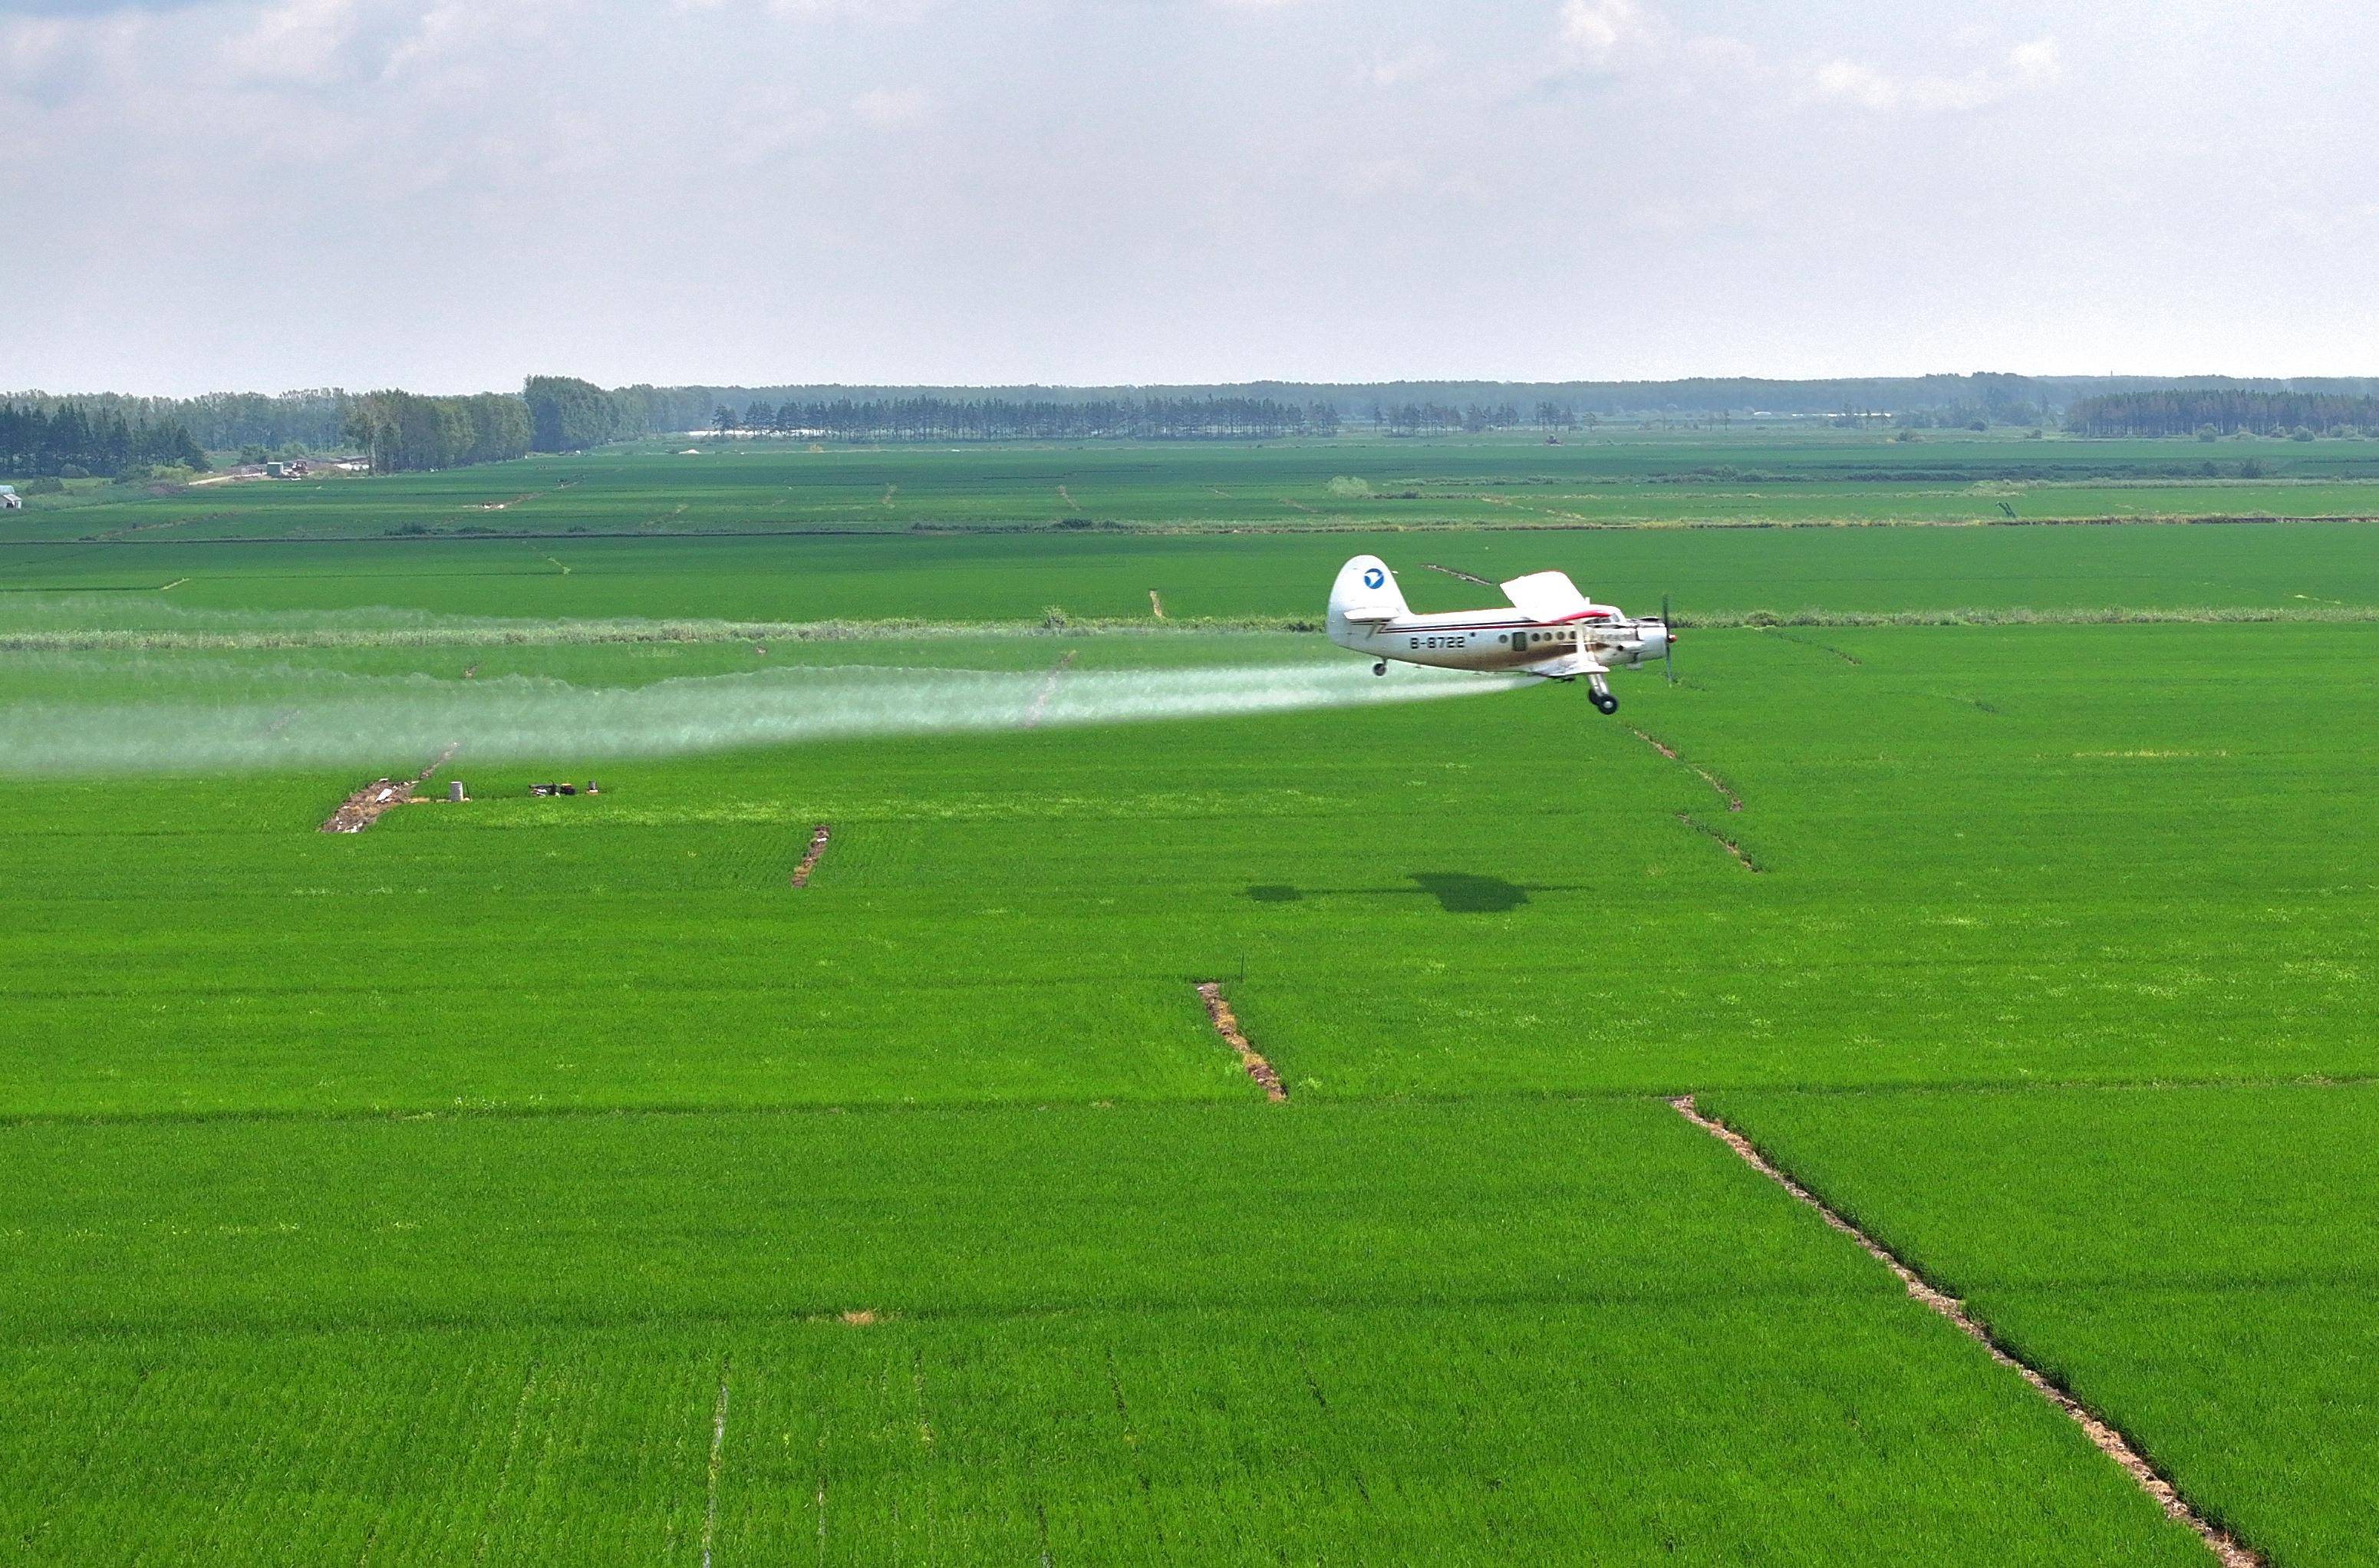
[(1548, 630), (1492, 641)]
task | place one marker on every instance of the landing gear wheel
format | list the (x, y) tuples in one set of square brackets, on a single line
[(1381, 668), (1604, 700)]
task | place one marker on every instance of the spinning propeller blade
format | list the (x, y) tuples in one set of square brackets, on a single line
[(1667, 643)]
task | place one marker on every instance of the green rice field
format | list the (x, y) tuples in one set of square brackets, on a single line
[(1755, 475), (550, 1180)]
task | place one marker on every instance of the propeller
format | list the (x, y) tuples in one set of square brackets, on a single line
[(1667, 643)]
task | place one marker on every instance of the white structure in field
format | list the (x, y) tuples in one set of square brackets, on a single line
[(10, 499)]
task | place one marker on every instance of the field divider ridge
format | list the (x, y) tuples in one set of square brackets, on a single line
[(1734, 801), (467, 633), (1227, 1024), (1049, 688), (1742, 857), (2103, 1435)]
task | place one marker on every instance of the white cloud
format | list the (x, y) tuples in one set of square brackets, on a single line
[(1600, 33), (445, 193), (2025, 68)]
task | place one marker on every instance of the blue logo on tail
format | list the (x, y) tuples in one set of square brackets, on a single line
[(1374, 576)]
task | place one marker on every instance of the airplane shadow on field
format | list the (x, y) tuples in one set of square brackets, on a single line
[(1456, 892)]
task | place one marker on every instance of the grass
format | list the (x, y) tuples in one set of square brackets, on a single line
[(1184, 1333), (2194, 1262)]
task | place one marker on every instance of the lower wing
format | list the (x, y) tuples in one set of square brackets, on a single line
[(1567, 666)]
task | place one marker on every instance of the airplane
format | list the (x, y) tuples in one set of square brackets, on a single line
[(1550, 629)]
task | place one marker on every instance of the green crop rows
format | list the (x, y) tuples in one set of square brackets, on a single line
[(2198, 1262), (543, 1179)]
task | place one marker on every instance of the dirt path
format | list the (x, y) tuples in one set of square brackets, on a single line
[(380, 796), (1155, 604), (1068, 497), (1734, 801), (1227, 1024), (2108, 1440), (818, 837)]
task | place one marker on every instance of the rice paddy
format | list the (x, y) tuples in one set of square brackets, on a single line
[(549, 1178)]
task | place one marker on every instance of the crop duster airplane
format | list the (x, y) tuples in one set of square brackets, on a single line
[(1550, 629)]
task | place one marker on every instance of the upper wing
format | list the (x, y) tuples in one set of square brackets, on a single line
[(1548, 597)]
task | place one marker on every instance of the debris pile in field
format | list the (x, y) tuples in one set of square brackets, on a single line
[(810, 859), (380, 796), (367, 806), (1227, 1024)]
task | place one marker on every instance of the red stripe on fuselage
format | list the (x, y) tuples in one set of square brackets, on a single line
[(1385, 629)]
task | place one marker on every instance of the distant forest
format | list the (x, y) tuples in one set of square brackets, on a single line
[(108, 433), (935, 418), (73, 441), (2223, 411)]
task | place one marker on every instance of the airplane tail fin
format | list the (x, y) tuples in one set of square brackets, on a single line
[(1365, 593)]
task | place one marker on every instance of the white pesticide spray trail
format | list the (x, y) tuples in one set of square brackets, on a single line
[(257, 721)]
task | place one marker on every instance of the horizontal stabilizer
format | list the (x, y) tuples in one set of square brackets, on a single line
[(1549, 597)]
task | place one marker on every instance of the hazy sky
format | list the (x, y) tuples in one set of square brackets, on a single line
[(446, 195)]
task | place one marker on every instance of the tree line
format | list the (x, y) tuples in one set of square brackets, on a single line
[(404, 432), (2221, 411), (934, 418), (69, 440), (1427, 418)]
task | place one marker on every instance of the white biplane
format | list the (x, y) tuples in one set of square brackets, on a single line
[(1549, 629)]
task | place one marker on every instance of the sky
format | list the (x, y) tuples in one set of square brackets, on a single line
[(447, 194)]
